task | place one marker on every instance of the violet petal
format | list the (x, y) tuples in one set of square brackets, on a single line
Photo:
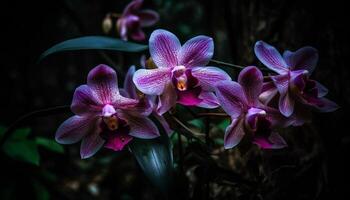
[(152, 81), (234, 133), (270, 57), (196, 52), (164, 48)]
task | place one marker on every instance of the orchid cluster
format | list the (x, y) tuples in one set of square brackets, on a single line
[(131, 21), (176, 73)]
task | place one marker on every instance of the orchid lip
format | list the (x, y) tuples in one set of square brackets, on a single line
[(178, 70), (182, 83), (108, 111)]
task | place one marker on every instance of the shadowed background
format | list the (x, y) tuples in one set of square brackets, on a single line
[(313, 167)]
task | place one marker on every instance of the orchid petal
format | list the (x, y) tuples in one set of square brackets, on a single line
[(103, 81), (286, 104), (164, 47), (321, 90), (164, 123), (274, 141), (231, 97), (269, 91), (303, 59), (209, 100), (251, 80), (270, 57), (74, 129), (298, 79), (132, 7), (276, 119), (282, 83), (234, 133), (196, 52), (189, 97), (167, 100), (143, 108), (148, 17), (322, 104), (138, 35), (91, 143), (252, 116), (152, 81), (129, 85), (209, 76), (85, 101), (118, 142), (124, 102), (140, 127), (122, 29)]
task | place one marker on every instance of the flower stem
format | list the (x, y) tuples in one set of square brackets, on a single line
[(212, 114), (194, 133), (226, 64), (233, 65), (37, 113)]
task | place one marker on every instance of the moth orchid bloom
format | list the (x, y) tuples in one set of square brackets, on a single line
[(103, 117), (240, 101), (293, 81), (180, 74), (133, 20), (146, 102)]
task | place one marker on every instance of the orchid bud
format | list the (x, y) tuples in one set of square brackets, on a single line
[(107, 24)]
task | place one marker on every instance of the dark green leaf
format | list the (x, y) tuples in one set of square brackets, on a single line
[(198, 123), (94, 42), (49, 144), (156, 160), (224, 124), (23, 150), (20, 134)]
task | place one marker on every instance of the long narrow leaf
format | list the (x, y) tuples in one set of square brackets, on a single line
[(156, 160), (94, 42)]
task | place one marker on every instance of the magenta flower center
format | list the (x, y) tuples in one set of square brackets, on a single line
[(183, 79), (111, 123)]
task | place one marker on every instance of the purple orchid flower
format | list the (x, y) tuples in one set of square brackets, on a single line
[(180, 75), (103, 116), (146, 102), (133, 19), (240, 101), (293, 82)]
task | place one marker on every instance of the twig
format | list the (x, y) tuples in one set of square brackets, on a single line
[(194, 133)]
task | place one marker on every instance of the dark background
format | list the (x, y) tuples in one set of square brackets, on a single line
[(321, 150)]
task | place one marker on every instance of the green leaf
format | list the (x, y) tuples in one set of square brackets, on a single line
[(94, 42), (224, 124), (198, 123), (156, 160), (23, 150), (49, 144), (20, 134)]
